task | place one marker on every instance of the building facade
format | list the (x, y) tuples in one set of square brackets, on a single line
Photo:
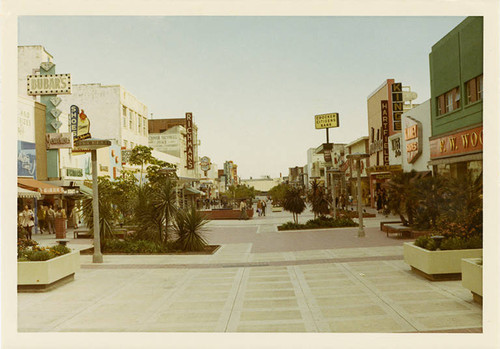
[(385, 107), (456, 72), (361, 146)]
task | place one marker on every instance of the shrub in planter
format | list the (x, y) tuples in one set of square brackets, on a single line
[(29, 250), (189, 227)]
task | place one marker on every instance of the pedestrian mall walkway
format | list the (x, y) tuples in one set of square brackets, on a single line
[(260, 280)]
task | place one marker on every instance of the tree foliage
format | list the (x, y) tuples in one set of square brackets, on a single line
[(294, 203), (319, 199), (277, 193), (141, 155)]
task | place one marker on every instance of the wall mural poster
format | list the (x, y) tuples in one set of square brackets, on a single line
[(26, 159)]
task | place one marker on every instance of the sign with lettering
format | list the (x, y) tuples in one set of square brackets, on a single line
[(326, 120), (463, 142), (52, 84), (59, 140), (79, 124), (397, 105), (205, 163), (385, 131), (74, 172), (189, 142), (396, 146), (413, 139)]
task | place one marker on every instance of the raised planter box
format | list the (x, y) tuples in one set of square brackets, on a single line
[(226, 214), (437, 265), (472, 277), (277, 209), (45, 275)]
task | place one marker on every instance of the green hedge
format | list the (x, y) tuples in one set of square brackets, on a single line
[(318, 223), (450, 243)]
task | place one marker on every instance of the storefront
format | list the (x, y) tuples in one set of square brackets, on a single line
[(378, 176), (458, 153)]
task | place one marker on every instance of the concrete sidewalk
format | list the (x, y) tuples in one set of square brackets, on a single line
[(295, 285)]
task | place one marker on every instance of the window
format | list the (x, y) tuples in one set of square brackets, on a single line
[(474, 88), (448, 101), (124, 115), (125, 144)]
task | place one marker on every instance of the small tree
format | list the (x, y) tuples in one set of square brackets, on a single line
[(294, 203), (277, 193), (141, 155), (318, 199)]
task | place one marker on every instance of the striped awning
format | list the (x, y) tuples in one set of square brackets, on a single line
[(41, 187), (27, 194)]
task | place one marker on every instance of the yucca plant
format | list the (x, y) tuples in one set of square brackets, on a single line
[(402, 197), (189, 226), (164, 204), (107, 214), (294, 203)]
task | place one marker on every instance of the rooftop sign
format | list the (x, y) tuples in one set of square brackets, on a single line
[(326, 120)]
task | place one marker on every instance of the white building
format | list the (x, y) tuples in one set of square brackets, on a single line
[(262, 184), (29, 59), (415, 148), (114, 113)]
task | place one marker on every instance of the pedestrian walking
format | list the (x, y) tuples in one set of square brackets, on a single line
[(41, 215), (243, 210), (51, 219), (27, 220), (264, 207), (74, 217), (259, 208)]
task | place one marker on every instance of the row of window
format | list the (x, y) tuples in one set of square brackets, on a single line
[(126, 143), (134, 121), (450, 101)]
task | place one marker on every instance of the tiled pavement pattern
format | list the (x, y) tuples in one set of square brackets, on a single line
[(260, 280), (374, 296)]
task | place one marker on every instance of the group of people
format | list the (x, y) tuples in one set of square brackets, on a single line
[(261, 208), (46, 216)]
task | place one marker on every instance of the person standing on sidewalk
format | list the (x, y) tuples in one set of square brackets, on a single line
[(42, 224), (264, 207), (243, 210), (74, 217), (259, 207), (51, 218), (27, 220)]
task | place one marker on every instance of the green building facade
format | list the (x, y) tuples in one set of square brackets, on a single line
[(456, 75)]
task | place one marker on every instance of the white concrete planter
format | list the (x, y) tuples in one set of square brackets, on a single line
[(277, 209), (45, 274), (437, 265), (472, 277)]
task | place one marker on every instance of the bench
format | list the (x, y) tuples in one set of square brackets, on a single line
[(84, 233), (400, 230)]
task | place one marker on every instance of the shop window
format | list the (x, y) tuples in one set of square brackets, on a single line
[(448, 102), (474, 88)]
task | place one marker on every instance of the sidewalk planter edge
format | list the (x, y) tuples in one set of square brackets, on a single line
[(472, 277), (437, 265), (44, 274)]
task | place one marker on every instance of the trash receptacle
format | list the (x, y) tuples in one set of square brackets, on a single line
[(60, 225)]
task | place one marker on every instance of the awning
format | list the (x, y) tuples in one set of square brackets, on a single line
[(86, 190), (41, 187), (194, 191), (27, 194)]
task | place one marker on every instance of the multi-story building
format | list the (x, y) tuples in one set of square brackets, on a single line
[(231, 173), (170, 136), (263, 184), (296, 176), (385, 106), (456, 72)]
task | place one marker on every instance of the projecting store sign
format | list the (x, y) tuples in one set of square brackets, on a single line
[(79, 124), (397, 105), (54, 84), (189, 142), (59, 140), (413, 139), (385, 131), (326, 120)]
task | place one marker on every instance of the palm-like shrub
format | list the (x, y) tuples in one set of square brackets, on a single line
[(164, 204), (402, 197), (107, 214), (189, 226), (431, 193), (318, 199), (294, 203), (147, 219)]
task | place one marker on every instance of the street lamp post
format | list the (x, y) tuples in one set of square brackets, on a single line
[(358, 157), (92, 145)]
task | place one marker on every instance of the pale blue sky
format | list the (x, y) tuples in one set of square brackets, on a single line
[(253, 84)]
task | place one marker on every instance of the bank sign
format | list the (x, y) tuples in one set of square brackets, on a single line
[(326, 120), (54, 84)]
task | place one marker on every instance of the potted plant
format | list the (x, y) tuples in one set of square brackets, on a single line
[(42, 268), (472, 277), (457, 234)]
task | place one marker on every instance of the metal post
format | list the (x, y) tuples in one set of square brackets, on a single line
[(361, 232), (327, 139), (97, 257), (333, 196)]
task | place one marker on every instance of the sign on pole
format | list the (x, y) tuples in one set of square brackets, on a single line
[(326, 120), (53, 84)]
